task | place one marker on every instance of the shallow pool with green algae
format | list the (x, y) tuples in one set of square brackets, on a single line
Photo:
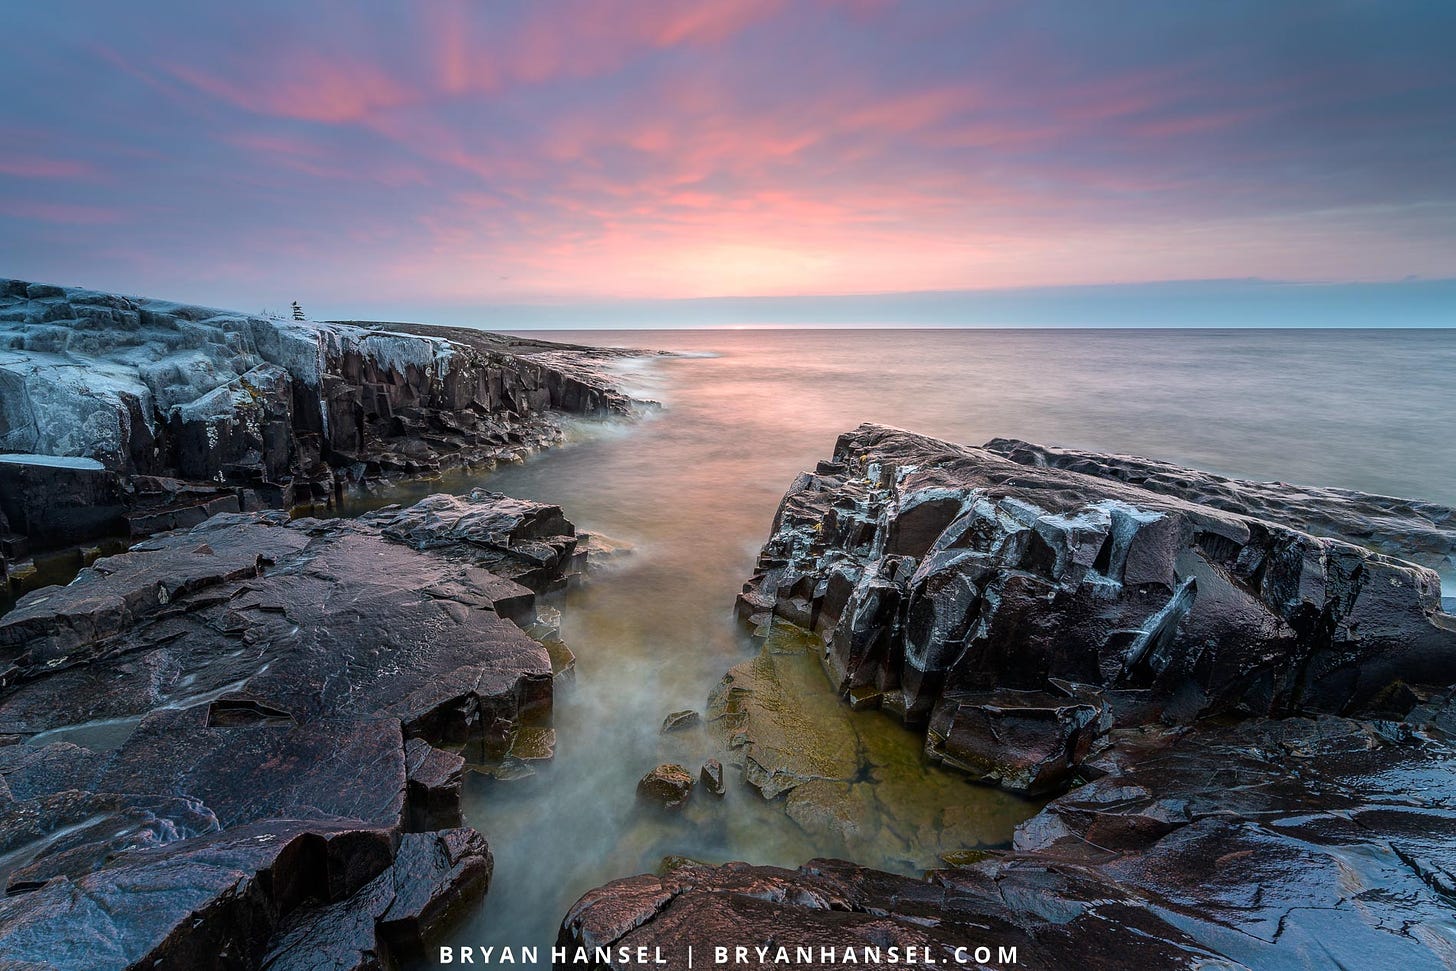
[(856, 779)]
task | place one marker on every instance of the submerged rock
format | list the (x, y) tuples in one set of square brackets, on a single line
[(668, 786), (678, 720), (855, 781), (262, 724)]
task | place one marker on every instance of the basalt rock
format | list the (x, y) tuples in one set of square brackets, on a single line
[(244, 742), (1025, 741), (433, 876), (527, 542), (1277, 843), (129, 416), (937, 572), (1172, 656), (679, 720), (711, 775), (1408, 529), (667, 786), (811, 916)]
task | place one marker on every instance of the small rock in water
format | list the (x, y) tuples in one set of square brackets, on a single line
[(668, 786), (686, 718), (712, 776), (599, 548)]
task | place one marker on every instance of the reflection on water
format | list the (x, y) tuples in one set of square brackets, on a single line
[(695, 488)]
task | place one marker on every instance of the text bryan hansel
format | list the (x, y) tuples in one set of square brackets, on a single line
[(601, 956), (559, 955)]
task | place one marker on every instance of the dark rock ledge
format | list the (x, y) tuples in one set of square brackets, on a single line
[(124, 417), (1253, 725), (241, 745)]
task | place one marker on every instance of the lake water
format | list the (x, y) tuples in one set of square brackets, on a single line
[(695, 487)]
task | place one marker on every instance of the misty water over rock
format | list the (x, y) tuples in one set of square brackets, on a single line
[(1168, 660)]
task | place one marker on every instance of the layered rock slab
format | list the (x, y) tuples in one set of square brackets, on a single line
[(131, 416), (250, 718), (1408, 529), (938, 573)]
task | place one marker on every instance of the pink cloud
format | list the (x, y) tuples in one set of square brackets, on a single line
[(40, 167), (306, 87)]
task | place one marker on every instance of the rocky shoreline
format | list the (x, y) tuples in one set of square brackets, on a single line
[(241, 741), (241, 745), (121, 417), (1245, 702)]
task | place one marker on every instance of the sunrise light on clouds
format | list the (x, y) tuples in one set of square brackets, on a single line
[(461, 153)]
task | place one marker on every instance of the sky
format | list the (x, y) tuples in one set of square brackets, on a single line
[(739, 161)]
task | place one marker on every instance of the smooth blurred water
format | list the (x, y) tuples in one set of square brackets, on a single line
[(695, 488)]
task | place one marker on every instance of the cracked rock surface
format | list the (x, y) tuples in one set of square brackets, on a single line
[(241, 745), (1254, 712), (131, 416), (938, 574)]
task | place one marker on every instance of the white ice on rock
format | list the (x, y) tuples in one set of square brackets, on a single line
[(77, 366), (52, 461)]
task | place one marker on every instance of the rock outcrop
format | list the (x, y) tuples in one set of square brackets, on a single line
[(940, 576), (1259, 720), (1408, 529), (241, 745), (1293, 843), (132, 416)]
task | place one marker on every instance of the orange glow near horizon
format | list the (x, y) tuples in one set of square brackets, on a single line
[(593, 149)]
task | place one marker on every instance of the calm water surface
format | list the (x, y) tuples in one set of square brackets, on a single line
[(695, 487)]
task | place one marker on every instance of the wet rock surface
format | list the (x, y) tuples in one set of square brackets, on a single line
[(711, 776), (1289, 843), (1408, 529), (243, 743), (129, 416), (677, 721), (853, 780), (933, 571), (668, 786), (1256, 722)]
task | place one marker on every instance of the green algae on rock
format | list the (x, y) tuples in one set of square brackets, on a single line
[(857, 778)]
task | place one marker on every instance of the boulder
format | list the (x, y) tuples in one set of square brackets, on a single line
[(711, 775), (668, 786), (1026, 741), (530, 543)]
